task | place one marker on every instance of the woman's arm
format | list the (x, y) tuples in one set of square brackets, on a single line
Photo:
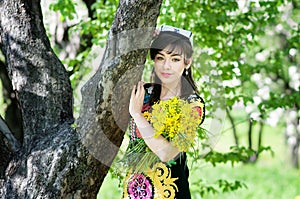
[(159, 145)]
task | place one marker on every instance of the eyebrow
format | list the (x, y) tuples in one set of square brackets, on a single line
[(170, 53)]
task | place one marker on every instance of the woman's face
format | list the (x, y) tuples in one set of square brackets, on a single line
[(169, 66)]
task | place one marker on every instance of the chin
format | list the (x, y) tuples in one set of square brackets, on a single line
[(168, 81)]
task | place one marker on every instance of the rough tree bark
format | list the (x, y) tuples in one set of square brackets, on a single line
[(12, 111), (56, 160)]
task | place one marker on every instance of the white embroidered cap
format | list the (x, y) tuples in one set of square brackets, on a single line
[(180, 31)]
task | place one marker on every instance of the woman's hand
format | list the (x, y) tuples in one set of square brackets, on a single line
[(137, 99), (156, 32), (159, 145)]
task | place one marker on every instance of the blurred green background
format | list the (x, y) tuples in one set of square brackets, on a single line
[(271, 177), (246, 61)]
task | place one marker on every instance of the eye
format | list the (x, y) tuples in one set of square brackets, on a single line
[(159, 58), (175, 59)]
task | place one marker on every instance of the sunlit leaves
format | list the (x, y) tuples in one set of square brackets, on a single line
[(225, 31), (66, 8), (235, 155), (99, 24)]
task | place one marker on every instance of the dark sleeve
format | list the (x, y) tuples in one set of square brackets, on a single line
[(199, 105)]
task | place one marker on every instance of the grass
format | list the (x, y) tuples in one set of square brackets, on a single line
[(262, 181), (271, 177)]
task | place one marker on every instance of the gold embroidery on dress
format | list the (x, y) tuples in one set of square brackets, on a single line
[(164, 185)]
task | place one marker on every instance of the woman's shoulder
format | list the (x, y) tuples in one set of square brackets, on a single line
[(198, 104), (195, 97)]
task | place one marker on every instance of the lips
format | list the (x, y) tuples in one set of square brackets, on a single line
[(166, 74)]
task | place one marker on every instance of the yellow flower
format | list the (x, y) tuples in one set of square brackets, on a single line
[(147, 115), (176, 120)]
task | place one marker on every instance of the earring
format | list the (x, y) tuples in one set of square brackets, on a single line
[(186, 72)]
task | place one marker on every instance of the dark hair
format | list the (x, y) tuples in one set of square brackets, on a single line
[(174, 41)]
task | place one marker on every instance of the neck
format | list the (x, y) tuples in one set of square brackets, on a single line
[(169, 91)]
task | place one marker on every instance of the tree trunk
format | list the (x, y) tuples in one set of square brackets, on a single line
[(250, 133), (253, 157), (12, 111), (260, 134), (55, 160), (106, 110)]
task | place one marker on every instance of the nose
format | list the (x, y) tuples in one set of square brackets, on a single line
[(167, 64)]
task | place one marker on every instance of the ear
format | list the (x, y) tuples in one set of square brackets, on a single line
[(189, 62)]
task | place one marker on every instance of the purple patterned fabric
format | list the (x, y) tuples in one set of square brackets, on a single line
[(140, 187)]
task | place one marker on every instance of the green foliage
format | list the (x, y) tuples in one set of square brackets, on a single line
[(78, 69), (93, 31), (262, 181), (99, 25), (223, 33), (66, 8), (236, 155), (220, 186)]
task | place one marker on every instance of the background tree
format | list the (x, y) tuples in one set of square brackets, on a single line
[(227, 38), (231, 38), (52, 162)]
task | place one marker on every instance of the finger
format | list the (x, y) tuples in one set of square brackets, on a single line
[(141, 85), (156, 32), (133, 92), (140, 89)]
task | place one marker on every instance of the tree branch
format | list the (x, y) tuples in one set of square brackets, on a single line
[(104, 116), (236, 139), (11, 142), (39, 79), (12, 111), (8, 146), (89, 4)]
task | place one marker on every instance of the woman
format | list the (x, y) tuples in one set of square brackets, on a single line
[(171, 52)]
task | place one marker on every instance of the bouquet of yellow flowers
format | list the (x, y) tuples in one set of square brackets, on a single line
[(177, 120)]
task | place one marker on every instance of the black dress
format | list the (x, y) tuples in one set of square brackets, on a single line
[(161, 180)]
